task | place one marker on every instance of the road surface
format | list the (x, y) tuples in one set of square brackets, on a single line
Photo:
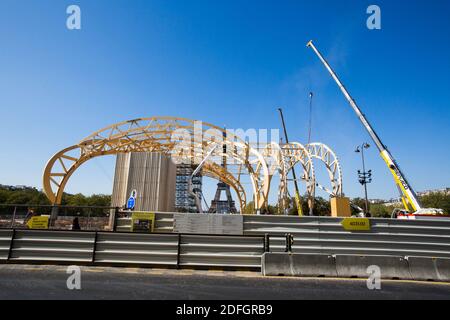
[(49, 282)]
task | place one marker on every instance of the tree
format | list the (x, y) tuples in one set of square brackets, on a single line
[(357, 202), (437, 200), (322, 207), (250, 208), (381, 211)]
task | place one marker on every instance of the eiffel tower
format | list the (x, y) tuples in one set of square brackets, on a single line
[(223, 206)]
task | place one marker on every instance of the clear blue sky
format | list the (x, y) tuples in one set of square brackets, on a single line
[(229, 63)]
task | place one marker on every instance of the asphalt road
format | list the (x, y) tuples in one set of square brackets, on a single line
[(49, 282)]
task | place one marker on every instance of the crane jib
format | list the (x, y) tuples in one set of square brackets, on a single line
[(405, 188)]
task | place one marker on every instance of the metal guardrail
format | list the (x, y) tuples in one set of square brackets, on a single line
[(141, 249), (312, 235), (323, 235), (219, 251), (49, 245), (5, 244), (112, 248)]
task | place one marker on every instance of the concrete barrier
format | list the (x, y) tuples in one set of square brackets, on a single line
[(353, 266), (443, 266), (429, 269), (298, 265), (423, 269)]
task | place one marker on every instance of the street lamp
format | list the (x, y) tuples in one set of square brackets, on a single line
[(363, 176)]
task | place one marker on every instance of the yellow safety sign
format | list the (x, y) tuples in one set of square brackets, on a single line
[(356, 224), (142, 222), (39, 222)]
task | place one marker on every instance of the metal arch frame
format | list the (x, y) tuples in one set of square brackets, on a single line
[(273, 151), (326, 155), (294, 154), (156, 135)]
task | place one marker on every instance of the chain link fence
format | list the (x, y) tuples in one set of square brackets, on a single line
[(68, 218)]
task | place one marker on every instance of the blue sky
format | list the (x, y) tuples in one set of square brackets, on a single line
[(229, 63)]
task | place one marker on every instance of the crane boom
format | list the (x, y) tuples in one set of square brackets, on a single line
[(409, 197), (298, 201)]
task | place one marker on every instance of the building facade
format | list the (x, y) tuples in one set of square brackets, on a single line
[(152, 175)]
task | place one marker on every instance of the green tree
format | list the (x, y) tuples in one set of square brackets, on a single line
[(380, 211), (322, 207), (437, 200), (19, 197), (250, 208), (99, 200), (4, 194)]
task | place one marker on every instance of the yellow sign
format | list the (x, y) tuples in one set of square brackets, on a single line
[(39, 222), (356, 224), (142, 222)]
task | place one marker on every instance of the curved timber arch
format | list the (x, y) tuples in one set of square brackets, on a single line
[(214, 171), (275, 160), (182, 139), (295, 153), (324, 153)]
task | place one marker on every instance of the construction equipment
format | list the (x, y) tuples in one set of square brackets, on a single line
[(297, 190), (311, 95), (408, 196)]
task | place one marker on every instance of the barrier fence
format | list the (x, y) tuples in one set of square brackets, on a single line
[(311, 235), (110, 248), (324, 235), (90, 218)]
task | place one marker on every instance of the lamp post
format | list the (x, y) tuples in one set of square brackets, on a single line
[(364, 177)]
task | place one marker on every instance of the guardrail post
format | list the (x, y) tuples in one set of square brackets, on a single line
[(178, 251), (289, 242), (11, 245), (95, 247), (88, 224), (266, 243), (114, 219), (13, 219)]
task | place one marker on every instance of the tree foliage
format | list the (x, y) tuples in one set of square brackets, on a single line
[(32, 196), (437, 200)]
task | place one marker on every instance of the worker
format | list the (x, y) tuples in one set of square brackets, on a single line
[(76, 224)]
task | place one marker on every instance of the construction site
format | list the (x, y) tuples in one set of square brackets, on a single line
[(215, 158), (163, 160)]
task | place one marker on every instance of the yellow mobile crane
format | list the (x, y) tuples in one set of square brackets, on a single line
[(409, 198)]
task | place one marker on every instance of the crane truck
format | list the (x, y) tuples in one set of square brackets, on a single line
[(412, 206)]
